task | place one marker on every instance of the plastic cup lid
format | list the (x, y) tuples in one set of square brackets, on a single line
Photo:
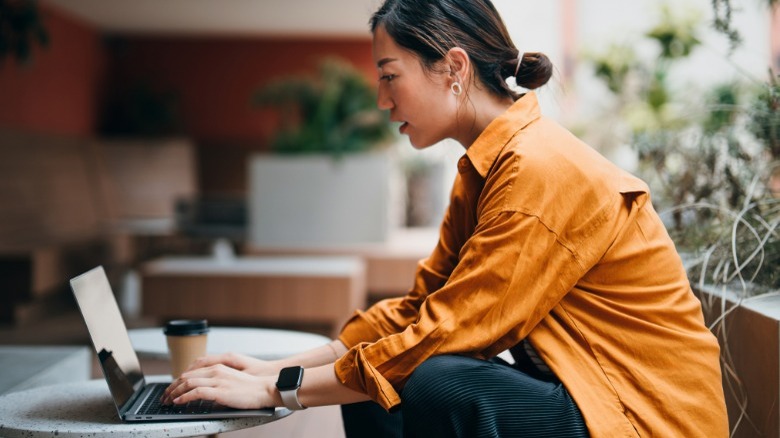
[(186, 327)]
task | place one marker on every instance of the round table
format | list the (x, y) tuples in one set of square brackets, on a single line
[(87, 409), (262, 343)]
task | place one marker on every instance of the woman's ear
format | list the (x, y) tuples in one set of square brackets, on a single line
[(460, 64)]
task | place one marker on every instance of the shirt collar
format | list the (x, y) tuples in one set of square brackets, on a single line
[(485, 149)]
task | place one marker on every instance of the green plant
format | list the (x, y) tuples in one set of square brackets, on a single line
[(692, 148), (21, 28), (764, 120), (723, 11), (736, 248), (332, 112), (614, 66)]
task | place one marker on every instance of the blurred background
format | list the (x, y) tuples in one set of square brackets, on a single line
[(132, 130), (135, 130)]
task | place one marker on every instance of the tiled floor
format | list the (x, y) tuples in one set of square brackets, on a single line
[(67, 328)]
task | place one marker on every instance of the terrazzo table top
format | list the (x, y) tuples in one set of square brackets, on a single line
[(85, 409)]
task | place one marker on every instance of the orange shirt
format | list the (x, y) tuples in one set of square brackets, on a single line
[(547, 240)]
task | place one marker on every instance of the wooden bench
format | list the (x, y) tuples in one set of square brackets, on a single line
[(283, 291)]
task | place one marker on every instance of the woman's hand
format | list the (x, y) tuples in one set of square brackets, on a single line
[(239, 362), (241, 381), (224, 384), (231, 379)]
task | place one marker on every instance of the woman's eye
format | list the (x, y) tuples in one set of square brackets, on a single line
[(387, 78)]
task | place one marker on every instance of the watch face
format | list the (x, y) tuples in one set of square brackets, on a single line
[(290, 378)]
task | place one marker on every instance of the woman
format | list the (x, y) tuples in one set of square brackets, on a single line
[(547, 249)]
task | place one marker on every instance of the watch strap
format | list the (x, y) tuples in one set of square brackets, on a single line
[(290, 400)]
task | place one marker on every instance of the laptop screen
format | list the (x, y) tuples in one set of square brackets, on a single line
[(109, 334)]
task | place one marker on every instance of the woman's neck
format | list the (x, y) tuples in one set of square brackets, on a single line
[(481, 109)]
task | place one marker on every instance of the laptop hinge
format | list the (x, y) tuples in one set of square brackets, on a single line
[(139, 389)]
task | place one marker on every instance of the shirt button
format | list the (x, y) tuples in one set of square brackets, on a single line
[(463, 164)]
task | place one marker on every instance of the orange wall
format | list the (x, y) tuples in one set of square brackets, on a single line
[(60, 91), (57, 91), (214, 78)]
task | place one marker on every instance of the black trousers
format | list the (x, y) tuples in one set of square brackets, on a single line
[(454, 396)]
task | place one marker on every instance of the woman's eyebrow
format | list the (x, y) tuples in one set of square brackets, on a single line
[(384, 61)]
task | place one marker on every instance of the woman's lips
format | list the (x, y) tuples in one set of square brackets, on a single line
[(403, 127)]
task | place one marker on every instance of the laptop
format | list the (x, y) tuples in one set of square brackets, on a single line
[(135, 399)]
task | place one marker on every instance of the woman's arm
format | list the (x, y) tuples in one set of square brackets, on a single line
[(321, 387), (240, 389), (326, 354)]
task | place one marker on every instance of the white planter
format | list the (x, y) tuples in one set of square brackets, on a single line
[(311, 200)]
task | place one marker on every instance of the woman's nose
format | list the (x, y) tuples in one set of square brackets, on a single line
[(383, 100)]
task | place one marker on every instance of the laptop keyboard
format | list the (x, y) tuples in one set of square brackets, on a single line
[(152, 405)]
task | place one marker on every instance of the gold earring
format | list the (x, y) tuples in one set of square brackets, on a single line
[(456, 88)]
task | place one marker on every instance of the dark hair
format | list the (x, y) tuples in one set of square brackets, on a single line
[(430, 28)]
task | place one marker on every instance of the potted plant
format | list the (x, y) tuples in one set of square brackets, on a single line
[(329, 178), (333, 112)]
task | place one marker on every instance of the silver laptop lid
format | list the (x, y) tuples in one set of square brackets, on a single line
[(107, 329)]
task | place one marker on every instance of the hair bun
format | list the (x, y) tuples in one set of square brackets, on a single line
[(533, 71)]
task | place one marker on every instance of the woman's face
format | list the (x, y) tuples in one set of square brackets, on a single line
[(421, 101)]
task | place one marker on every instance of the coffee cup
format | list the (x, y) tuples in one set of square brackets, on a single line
[(186, 342)]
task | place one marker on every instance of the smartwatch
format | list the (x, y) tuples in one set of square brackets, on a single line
[(289, 382)]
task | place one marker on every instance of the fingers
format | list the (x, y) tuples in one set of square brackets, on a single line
[(205, 361), (174, 390), (225, 385), (188, 381), (232, 360), (192, 389), (193, 383)]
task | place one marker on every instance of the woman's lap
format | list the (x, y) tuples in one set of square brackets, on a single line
[(459, 396)]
